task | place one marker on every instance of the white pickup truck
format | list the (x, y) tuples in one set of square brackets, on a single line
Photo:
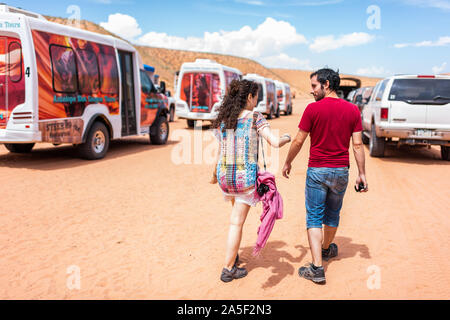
[(408, 109)]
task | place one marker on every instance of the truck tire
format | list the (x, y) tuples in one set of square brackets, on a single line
[(365, 139), (271, 114), (162, 131), (97, 143), (376, 144), (191, 123), (445, 153), (19, 148), (172, 114)]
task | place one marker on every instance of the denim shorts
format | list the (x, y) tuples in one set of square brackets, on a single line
[(324, 194)]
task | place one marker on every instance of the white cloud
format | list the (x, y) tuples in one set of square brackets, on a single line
[(265, 43), (123, 25), (439, 69), (326, 43), (268, 39), (373, 71), (442, 41), (284, 61)]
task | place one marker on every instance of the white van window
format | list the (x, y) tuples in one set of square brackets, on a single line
[(64, 69), (15, 64), (88, 73), (420, 89), (381, 90)]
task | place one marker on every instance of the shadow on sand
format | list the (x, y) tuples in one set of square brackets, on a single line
[(282, 263), (65, 156)]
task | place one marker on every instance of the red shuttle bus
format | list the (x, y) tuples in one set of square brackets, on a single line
[(60, 84)]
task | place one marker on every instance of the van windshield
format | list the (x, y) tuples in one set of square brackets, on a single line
[(200, 90), (420, 90)]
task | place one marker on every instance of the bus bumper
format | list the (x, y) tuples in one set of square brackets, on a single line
[(13, 136)]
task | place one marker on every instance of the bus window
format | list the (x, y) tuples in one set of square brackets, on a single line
[(64, 69), (200, 90), (229, 77), (109, 76), (88, 73), (260, 93), (15, 61)]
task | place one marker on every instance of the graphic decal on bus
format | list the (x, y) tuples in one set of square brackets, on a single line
[(62, 131), (200, 90), (74, 73), (12, 81)]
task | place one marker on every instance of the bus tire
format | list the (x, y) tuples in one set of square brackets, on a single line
[(376, 144), (162, 131), (19, 148), (191, 123), (365, 139), (172, 114), (445, 153), (97, 143)]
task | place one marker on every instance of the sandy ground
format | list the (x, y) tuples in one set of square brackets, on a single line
[(138, 226)]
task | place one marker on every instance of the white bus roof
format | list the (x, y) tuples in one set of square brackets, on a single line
[(38, 22), (4, 8), (206, 65)]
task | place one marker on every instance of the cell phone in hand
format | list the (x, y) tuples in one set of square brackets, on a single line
[(360, 187)]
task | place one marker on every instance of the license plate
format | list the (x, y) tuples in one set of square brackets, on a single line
[(424, 133)]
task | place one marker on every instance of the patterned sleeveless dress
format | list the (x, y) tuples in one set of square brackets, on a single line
[(238, 163)]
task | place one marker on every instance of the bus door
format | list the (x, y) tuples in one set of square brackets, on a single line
[(3, 81), (129, 126)]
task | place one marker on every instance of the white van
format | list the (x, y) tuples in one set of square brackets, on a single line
[(60, 84), (200, 89), (284, 97), (267, 101), (408, 109)]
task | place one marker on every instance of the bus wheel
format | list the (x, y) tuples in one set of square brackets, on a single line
[(97, 143), (191, 123), (172, 114), (445, 153), (162, 131), (19, 148)]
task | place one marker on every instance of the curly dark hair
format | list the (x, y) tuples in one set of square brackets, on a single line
[(234, 102)]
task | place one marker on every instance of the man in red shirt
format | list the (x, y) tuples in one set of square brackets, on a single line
[(330, 122)]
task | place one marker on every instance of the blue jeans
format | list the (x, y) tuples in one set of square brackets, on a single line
[(324, 194)]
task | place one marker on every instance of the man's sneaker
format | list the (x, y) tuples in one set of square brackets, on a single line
[(235, 273), (331, 252), (308, 272)]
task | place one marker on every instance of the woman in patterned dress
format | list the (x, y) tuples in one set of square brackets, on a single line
[(238, 128)]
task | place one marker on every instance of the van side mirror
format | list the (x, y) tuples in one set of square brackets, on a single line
[(162, 87)]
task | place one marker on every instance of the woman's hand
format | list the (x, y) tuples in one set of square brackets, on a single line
[(213, 179)]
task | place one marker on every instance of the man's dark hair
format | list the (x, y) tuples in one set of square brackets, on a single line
[(328, 74)]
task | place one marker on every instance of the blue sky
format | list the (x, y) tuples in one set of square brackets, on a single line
[(410, 36)]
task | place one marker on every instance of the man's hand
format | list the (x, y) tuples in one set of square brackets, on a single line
[(287, 170), (362, 178)]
